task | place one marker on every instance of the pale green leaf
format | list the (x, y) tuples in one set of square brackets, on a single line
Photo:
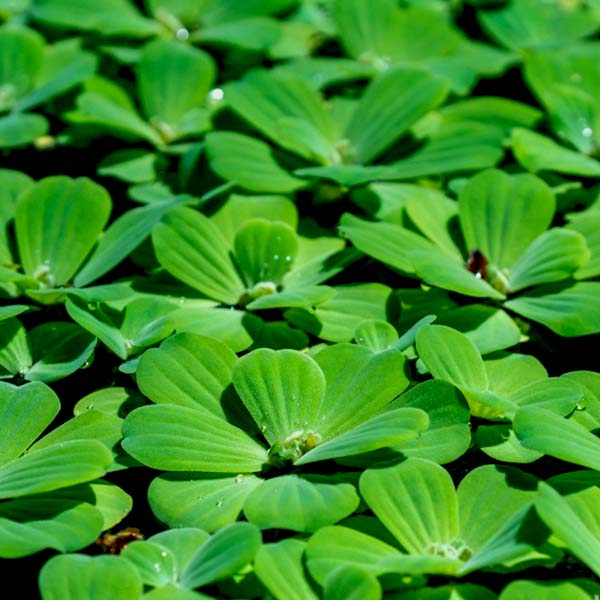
[(280, 567), (540, 153), (178, 438), (553, 256), (209, 501), (547, 432), (224, 554), (299, 504), (416, 501), (76, 576), (451, 356), (502, 214), (283, 391), (191, 248), (58, 221), (569, 310), (61, 465), (248, 163)]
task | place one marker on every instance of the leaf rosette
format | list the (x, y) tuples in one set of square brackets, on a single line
[(495, 243), (222, 427)]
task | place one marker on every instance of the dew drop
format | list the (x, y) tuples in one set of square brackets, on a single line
[(587, 132), (182, 34), (90, 406), (220, 503), (216, 94), (239, 479), (156, 566), (163, 553), (288, 259), (275, 256)]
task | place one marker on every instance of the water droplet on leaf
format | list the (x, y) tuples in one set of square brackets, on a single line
[(182, 34)]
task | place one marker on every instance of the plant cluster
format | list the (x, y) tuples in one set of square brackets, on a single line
[(300, 299)]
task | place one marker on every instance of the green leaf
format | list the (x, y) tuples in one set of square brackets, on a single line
[(501, 443), (556, 394), (448, 435), (333, 546), (489, 497), (182, 543), (551, 257), (299, 504), (222, 555), (387, 32), (209, 501), (547, 432), (58, 221), (173, 79), (283, 391), (350, 582), (437, 268), (178, 438), (130, 165), (251, 34), (71, 577), (188, 370), (526, 24), (155, 565), (15, 353), (91, 425), (451, 356), (53, 467), (22, 52), (392, 428), (24, 414), (280, 567), (359, 384), (101, 321), (508, 373), (540, 153), (248, 163), (235, 328), (455, 148), (190, 247), (588, 226), (287, 110), (265, 251), (20, 129), (112, 18), (567, 525), (435, 216), (336, 318), (503, 113), (375, 334), (300, 298), (388, 107), (123, 236), (65, 65), (318, 259), (502, 214), (569, 310), (489, 328), (34, 523), (416, 501), (543, 590), (570, 102), (58, 349), (99, 110)]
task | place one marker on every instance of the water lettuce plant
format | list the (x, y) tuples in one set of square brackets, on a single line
[(299, 299)]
